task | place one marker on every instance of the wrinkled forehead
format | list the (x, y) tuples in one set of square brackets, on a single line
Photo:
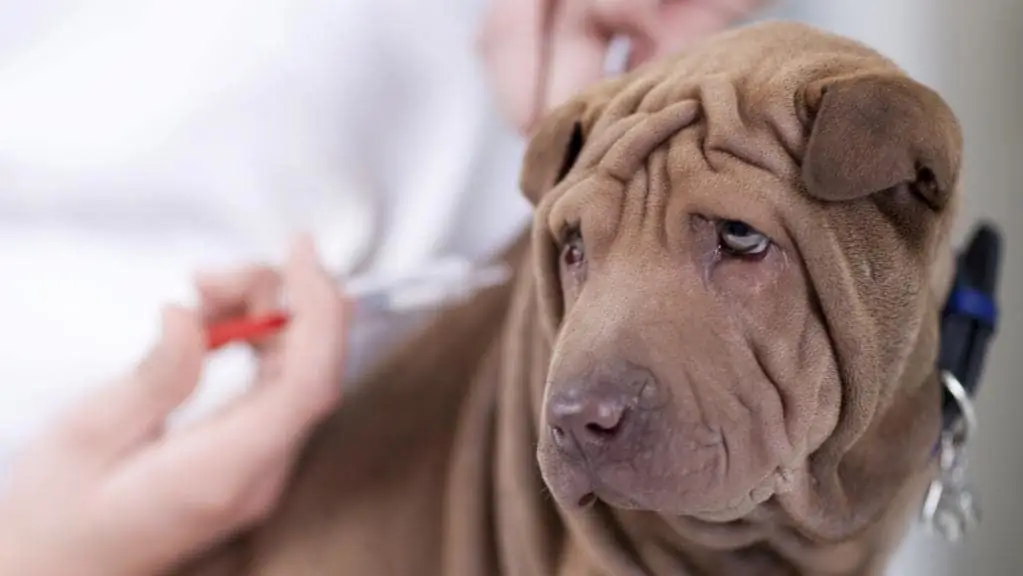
[(726, 116)]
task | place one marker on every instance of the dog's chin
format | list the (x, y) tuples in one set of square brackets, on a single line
[(578, 492), (575, 486)]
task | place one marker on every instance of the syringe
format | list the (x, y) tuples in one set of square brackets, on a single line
[(443, 282)]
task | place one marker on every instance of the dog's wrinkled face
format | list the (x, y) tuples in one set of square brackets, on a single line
[(695, 369), (690, 369)]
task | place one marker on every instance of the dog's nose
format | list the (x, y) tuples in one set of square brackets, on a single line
[(588, 420)]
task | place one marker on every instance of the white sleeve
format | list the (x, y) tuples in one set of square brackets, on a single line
[(142, 139)]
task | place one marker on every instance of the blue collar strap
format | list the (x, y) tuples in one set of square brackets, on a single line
[(970, 316)]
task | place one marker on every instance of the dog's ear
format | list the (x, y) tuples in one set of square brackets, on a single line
[(553, 150), (872, 132)]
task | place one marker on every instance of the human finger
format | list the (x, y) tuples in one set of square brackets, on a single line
[(250, 290), (134, 407), (173, 510), (314, 345)]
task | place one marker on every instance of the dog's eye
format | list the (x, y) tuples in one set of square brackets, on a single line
[(572, 254), (740, 239)]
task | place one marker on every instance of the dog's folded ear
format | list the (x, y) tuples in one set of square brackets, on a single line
[(553, 149), (871, 132)]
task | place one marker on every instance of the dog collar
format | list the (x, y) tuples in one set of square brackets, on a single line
[(968, 323)]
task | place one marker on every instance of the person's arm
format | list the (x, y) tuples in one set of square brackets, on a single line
[(106, 492)]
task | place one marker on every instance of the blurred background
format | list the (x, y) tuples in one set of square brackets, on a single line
[(140, 140)]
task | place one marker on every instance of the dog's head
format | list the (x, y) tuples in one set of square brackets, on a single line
[(735, 251)]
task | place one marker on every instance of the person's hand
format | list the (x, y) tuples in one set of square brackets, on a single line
[(107, 492), (538, 53)]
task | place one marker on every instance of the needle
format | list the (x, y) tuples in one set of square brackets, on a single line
[(444, 282)]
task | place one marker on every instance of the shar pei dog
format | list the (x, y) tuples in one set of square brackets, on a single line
[(716, 355)]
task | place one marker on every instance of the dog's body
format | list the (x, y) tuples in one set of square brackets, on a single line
[(766, 407)]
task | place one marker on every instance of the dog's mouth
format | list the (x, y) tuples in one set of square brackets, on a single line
[(697, 481), (581, 486), (610, 497), (584, 485), (734, 512), (599, 491)]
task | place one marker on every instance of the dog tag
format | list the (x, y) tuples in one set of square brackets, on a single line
[(950, 507)]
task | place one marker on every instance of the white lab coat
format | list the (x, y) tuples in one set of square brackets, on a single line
[(143, 139)]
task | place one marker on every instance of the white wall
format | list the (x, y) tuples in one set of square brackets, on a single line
[(970, 51)]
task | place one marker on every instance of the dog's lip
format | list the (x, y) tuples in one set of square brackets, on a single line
[(590, 488), (607, 494), (606, 489), (616, 499)]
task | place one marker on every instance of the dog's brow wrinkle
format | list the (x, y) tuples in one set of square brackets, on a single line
[(640, 188), (673, 88), (730, 132), (658, 191), (648, 132), (789, 135), (701, 147), (662, 178), (627, 103), (597, 148)]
